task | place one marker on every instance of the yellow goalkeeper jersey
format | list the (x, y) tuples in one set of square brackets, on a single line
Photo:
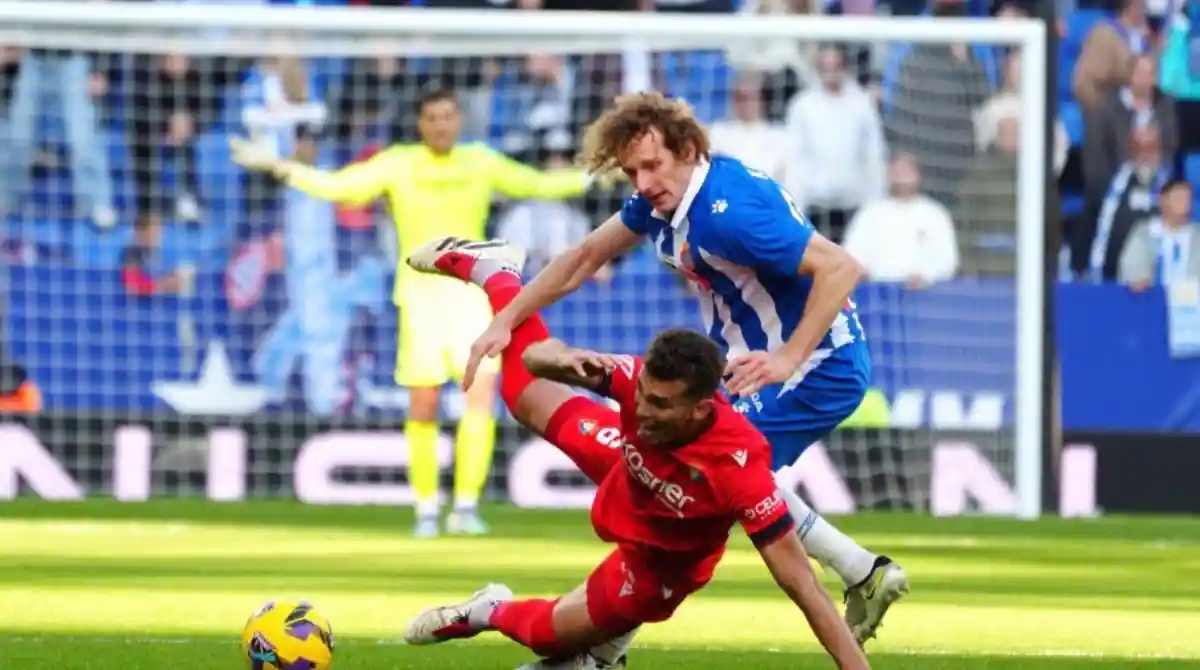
[(430, 195)]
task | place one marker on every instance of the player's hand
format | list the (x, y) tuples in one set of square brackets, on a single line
[(747, 374), (586, 363), (251, 155), (488, 345)]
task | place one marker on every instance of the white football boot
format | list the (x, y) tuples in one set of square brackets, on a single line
[(452, 255), (457, 622), (869, 600)]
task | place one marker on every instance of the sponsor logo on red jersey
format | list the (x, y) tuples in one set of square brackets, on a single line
[(765, 508), (669, 493)]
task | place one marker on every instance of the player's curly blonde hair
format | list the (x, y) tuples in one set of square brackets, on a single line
[(634, 115)]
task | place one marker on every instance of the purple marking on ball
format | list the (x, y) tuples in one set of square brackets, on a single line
[(260, 643), (299, 664), (301, 630)]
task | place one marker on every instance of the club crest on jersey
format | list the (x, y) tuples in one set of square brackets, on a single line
[(587, 427), (687, 266)]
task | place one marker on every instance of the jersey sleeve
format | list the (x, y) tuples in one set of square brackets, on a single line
[(635, 214), (742, 482), (766, 232), (620, 384)]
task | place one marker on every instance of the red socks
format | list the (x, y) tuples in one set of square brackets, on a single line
[(529, 623), (501, 288)]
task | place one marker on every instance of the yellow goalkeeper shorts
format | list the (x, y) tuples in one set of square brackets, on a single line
[(436, 333)]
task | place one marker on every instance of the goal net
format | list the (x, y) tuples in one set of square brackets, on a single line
[(195, 330)]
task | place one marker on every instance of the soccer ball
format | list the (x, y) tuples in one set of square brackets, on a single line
[(288, 635)]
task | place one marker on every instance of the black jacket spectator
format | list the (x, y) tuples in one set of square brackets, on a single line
[(172, 100), (1109, 128), (1131, 197)]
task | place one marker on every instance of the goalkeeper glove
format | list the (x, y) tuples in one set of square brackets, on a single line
[(252, 155), (604, 180)]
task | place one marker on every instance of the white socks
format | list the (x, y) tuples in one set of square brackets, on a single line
[(609, 652), (827, 544)]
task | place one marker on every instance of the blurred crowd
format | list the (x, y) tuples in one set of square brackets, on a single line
[(904, 153)]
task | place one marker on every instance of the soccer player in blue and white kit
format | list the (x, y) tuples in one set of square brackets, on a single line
[(774, 293)]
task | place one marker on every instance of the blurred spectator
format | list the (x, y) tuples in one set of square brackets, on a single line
[(546, 229), (786, 64), (905, 237), (987, 208), (374, 95), (1163, 249), (1103, 64), (1132, 106), (1132, 197), (692, 6), (1007, 102), (138, 259), (836, 160), (10, 65), (933, 102), (173, 98), (278, 96), (18, 393), (1180, 74), (545, 101), (587, 5), (748, 136), (72, 80)]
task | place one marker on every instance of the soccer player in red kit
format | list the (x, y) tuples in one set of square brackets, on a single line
[(676, 467)]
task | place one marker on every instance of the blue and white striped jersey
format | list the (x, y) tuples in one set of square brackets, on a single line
[(739, 235)]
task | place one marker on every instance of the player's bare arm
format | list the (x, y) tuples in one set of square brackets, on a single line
[(554, 360), (789, 565), (834, 274)]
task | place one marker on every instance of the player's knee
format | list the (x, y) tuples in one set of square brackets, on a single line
[(481, 397), (573, 625), (423, 403)]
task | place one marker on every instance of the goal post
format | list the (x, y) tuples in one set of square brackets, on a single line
[(344, 33)]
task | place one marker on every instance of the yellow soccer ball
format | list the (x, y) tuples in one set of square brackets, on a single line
[(288, 635)]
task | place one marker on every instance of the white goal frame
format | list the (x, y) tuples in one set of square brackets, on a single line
[(398, 31)]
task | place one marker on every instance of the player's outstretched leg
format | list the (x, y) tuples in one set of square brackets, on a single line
[(873, 582), (549, 408)]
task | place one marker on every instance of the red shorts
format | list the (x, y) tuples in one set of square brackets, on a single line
[(627, 590)]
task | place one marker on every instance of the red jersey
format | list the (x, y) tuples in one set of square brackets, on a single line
[(680, 504)]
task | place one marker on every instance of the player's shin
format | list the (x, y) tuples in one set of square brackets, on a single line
[(501, 288), (832, 548), (529, 623)]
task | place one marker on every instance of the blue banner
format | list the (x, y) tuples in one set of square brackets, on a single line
[(944, 356)]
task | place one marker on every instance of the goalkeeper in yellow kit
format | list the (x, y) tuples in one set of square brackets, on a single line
[(435, 188)]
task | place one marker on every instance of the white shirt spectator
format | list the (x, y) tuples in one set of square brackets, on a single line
[(1008, 105), (906, 236), (837, 150), (748, 136), (543, 229)]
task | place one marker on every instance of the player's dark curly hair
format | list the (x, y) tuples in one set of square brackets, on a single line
[(633, 116), (687, 356)]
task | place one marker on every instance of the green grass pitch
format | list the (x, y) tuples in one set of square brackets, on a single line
[(102, 585)]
